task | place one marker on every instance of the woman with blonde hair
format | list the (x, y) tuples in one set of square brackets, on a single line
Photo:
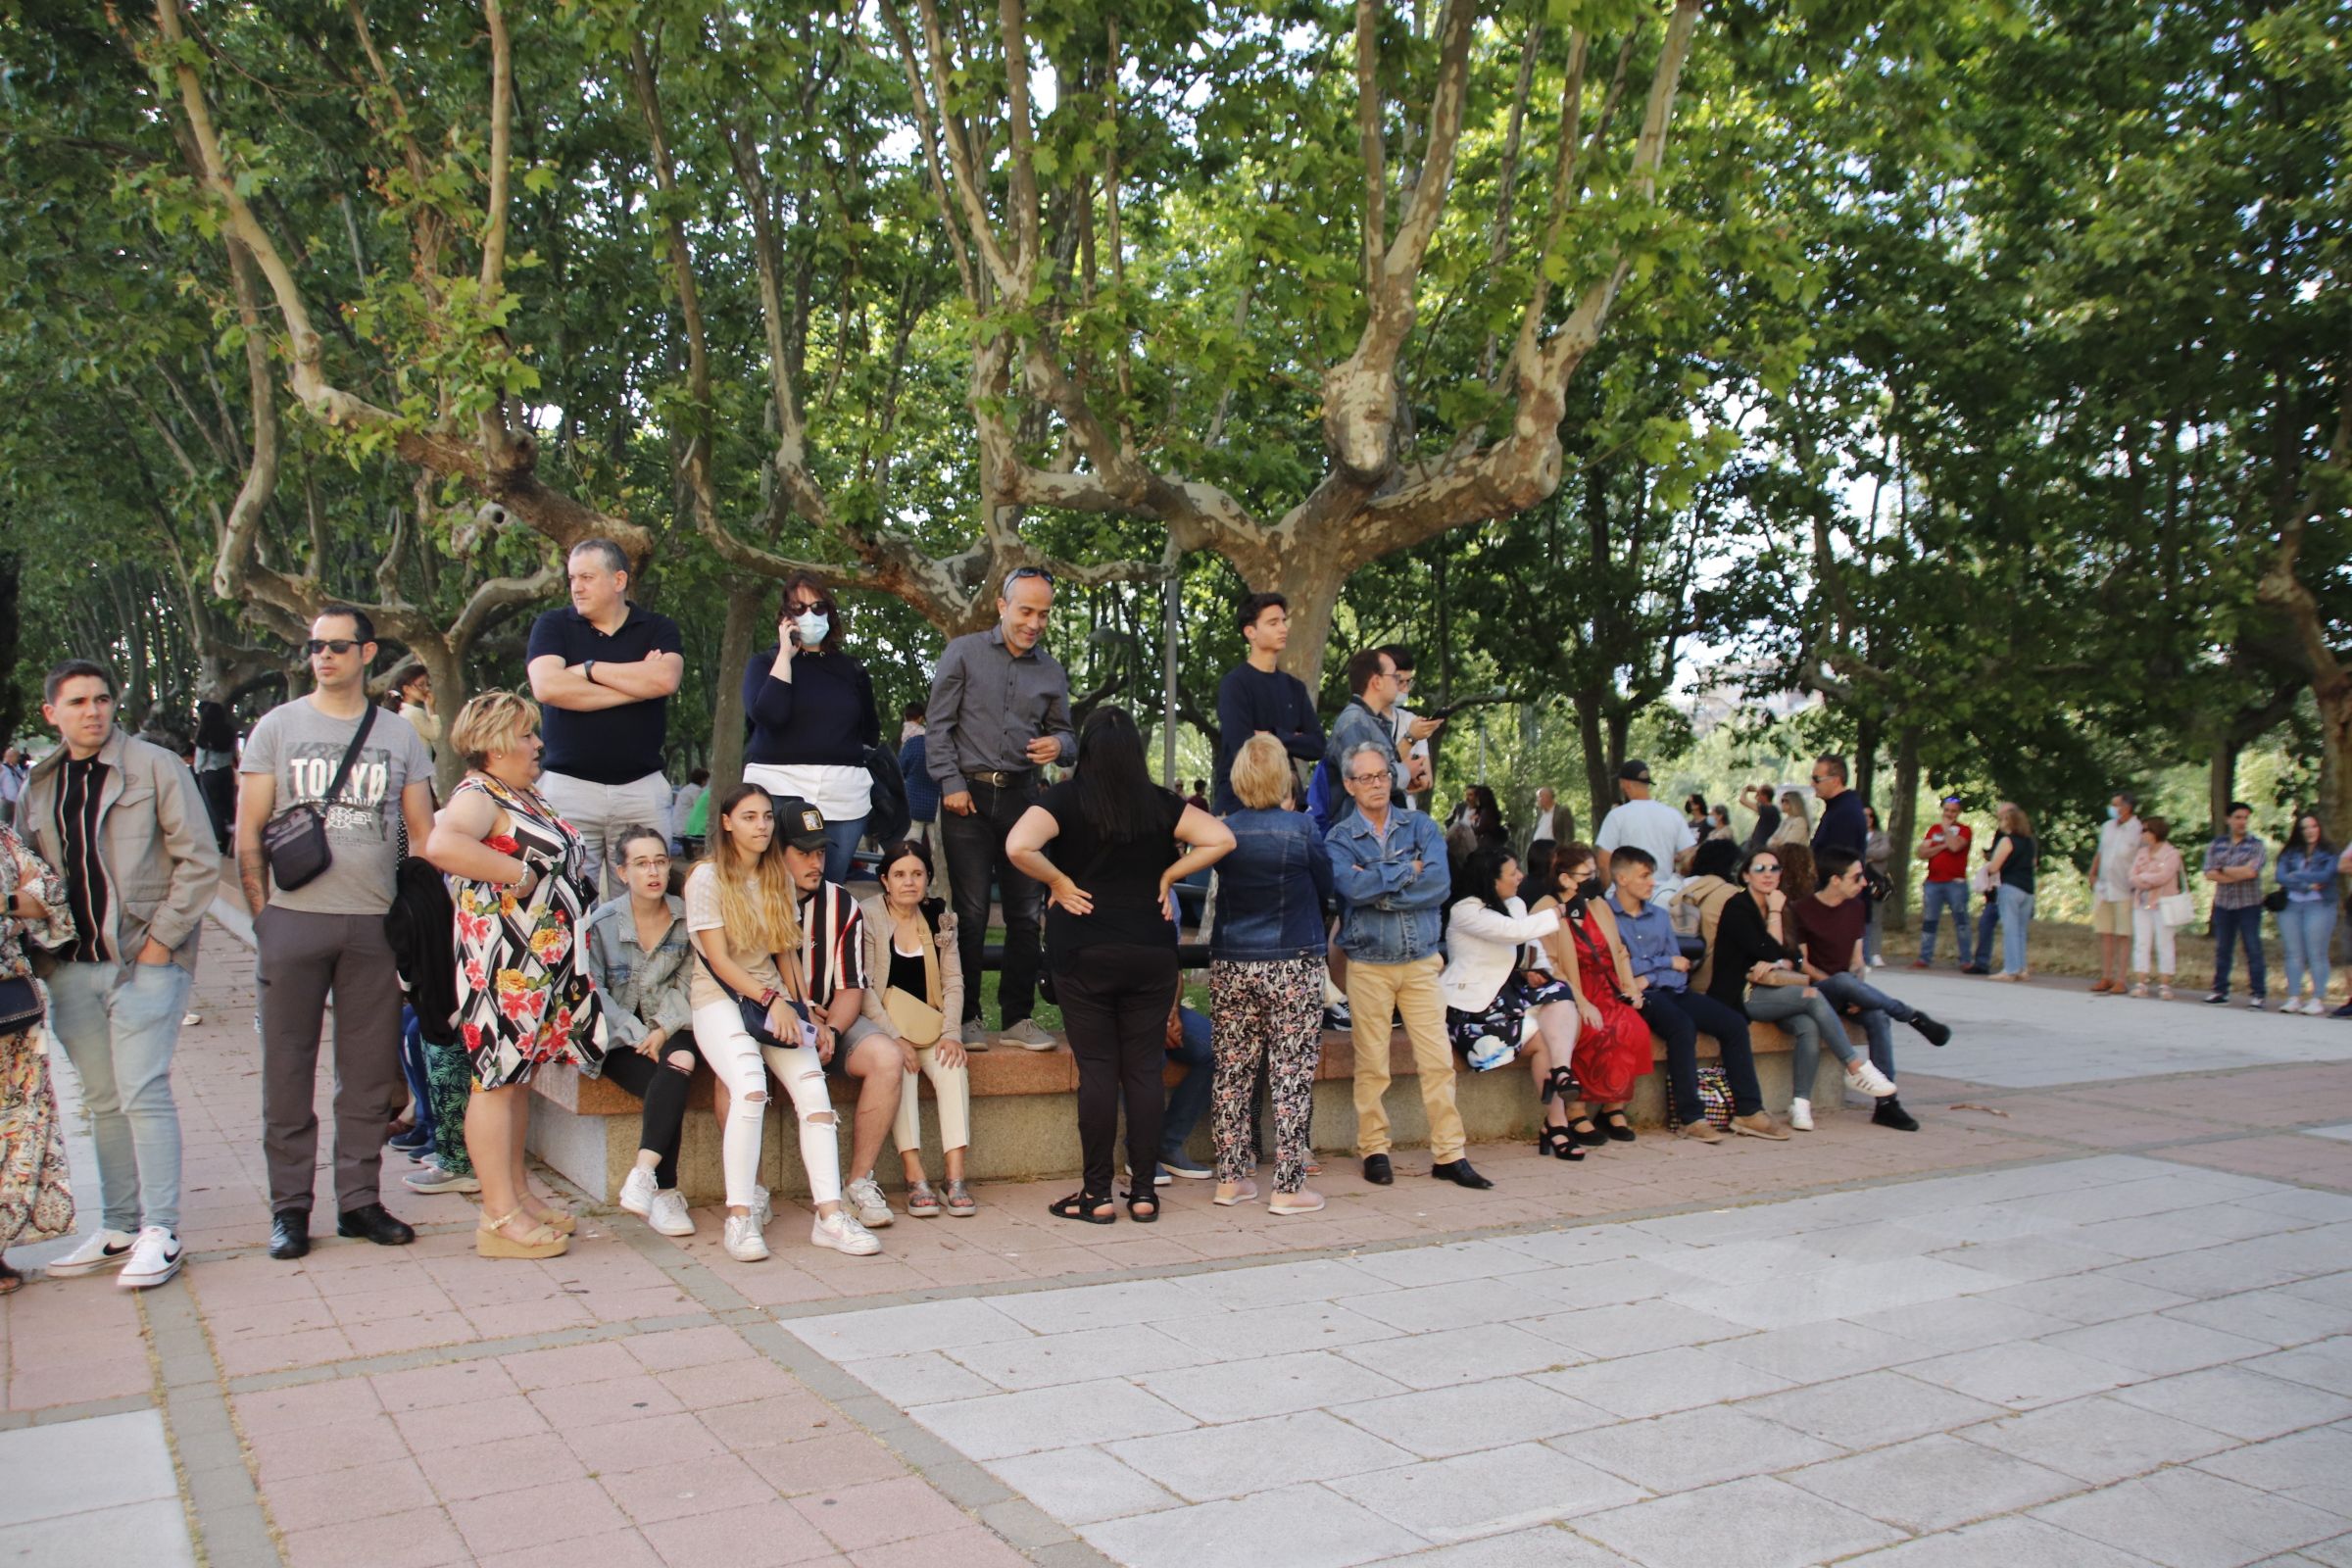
[(514, 870), (751, 1004), (2012, 866), (1797, 825)]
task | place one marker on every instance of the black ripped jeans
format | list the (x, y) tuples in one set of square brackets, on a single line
[(661, 1085)]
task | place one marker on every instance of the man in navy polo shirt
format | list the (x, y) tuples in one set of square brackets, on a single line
[(603, 671)]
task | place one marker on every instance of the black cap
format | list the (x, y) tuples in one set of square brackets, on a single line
[(1634, 768), (800, 824)]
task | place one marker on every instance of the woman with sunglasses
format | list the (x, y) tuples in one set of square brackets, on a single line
[(811, 710), (1754, 968)]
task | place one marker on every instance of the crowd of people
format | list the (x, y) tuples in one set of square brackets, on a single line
[(536, 915)]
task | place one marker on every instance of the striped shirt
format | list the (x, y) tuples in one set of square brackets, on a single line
[(832, 943), (77, 818)]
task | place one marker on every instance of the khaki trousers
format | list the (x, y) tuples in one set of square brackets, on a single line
[(953, 1086), (1375, 992)]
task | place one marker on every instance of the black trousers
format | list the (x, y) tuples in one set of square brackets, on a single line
[(661, 1085), (1115, 1001), (1677, 1017), (975, 851)]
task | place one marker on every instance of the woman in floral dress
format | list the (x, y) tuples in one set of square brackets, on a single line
[(36, 1202), (524, 998)]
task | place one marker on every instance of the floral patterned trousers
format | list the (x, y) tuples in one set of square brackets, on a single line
[(1271, 1011)]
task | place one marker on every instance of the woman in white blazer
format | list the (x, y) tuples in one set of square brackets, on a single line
[(1500, 998), (917, 998)]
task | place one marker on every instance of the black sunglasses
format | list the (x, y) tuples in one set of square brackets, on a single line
[(338, 646), (1018, 572)]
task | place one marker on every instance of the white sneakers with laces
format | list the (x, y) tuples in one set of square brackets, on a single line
[(637, 1191), (744, 1242), (841, 1231), (670, 1216), (865, 1196), (1800, 1116), (101, 1249), (663, 1209), (1866, 1077), (153, 1258)]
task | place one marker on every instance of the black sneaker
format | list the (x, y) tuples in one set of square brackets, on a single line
[(2256, 1005), (1939, 1034), (2217, 999), (1889, 1113)]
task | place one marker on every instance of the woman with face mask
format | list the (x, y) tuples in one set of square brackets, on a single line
[(1612, 1042), (812, 717)]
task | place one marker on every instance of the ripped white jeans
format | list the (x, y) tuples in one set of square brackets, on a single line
[(737, 1058)]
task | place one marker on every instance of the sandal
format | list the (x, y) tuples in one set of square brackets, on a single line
[(1559, 1143), (1561, 1084), (490, 1240), (1614, 1124), (1244, 1191), (1082, 1206), (960, 1201), (562, 1221), (1139, 1202), (921, 1201), (10, 1280)]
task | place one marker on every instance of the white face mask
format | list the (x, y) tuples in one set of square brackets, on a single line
[(812, 627)]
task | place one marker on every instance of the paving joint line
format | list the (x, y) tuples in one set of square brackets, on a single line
[(456, 1353), (50, 1415), (227, 1518)]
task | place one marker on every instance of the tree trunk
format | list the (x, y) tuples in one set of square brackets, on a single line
[(745, 604), (2222, 772), (451, 691), (2335, 803), (1866, 758), (1599, 772), (1902, 828)]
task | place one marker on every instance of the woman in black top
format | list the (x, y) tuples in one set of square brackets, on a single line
[(1753, 967), (1119, 843), (811, 708), (2013, 866)]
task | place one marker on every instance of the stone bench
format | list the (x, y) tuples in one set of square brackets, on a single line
[(1025, 1118)]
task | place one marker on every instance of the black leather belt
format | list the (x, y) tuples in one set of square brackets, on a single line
[(996, 780)]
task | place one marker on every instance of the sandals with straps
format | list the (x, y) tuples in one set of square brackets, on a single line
[(490, 1240), (1142, 1207), (1082, 1206)]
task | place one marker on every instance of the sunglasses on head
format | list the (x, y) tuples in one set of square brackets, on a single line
[(1018, 572), (338, 646)]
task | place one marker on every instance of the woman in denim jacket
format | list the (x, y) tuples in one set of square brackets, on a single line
[(1265, 978), (2307, 871), (636, 953)]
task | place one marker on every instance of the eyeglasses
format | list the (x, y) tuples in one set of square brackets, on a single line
[(645, 862), (337, 646), (1380, 777)]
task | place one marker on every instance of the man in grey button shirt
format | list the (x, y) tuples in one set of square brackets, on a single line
[(999, 709)]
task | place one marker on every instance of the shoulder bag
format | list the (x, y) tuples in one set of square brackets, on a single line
[(2178, 907), (755, 1016), (294, 842)]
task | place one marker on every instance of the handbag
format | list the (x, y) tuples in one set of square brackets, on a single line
[(918, 1022), (294, 842), (2275, 900), (755, 1015)]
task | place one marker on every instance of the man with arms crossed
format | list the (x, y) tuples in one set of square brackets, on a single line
[(1946, 849), (328, 935)]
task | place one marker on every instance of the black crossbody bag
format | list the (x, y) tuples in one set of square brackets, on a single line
[(294, 842)]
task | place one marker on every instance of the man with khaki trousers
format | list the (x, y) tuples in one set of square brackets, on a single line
[(1387, 864)]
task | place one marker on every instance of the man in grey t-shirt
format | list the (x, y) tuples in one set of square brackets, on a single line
[(328, 936)]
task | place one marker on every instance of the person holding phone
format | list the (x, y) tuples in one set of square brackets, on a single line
[(811, 710)]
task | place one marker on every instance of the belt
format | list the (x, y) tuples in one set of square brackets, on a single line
[(995, 780)]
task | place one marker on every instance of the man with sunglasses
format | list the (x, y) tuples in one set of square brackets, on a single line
[(999, 709), (603, 671), (326, 936)]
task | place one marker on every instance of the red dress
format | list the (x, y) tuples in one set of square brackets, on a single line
[(1606, 1060)]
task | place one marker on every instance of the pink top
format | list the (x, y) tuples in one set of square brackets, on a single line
[(2155, 875)]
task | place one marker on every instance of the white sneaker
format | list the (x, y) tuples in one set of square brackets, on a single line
[(670, 1216), (744, 1242), (865, 1196), (103, 1249), (1872, 1081), (637, 1191), (761, 1209), (1878, 963), (1800, 1116), (153, 1258), (841, 1231)]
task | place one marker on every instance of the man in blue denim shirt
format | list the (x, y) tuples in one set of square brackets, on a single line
[(1387, 864)]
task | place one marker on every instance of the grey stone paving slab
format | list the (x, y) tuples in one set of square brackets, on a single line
[(2342, 1130), (1437, 1423), (1003, 1424), (1934, 1483), (2021, 1377), (1274, 1385), (2158, 1346), (1870, 1409), (1278, 1330), (2212, 1271), (1634, 1329), (1812, 1351), (2250, 1406), (1098, 1305), (2336, 1553), (1943, 1328), (2019, 1258), (1463, 1302), (1757, 1523), (2184, 1518), (1843, 1290), (1696, 1448), (1448, 1264), (1046, 1359), (2083, 1298), (1317, 1526), (1484, 1493), (2312, 1468), (1546, 1547), (151, 1535), (1206, 1463), (2099, 1440), (79, 1467), (1605, 1284), (1590, 1243), (2277, 1317), (1082, 1486), (894, 1330), (2008, 1543), (921, 1377), (1460, 1355), (1661, 1381), (1239, 1290), (2326, 1365)]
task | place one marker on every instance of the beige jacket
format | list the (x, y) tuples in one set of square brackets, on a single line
[(156, 845), (942, 966)]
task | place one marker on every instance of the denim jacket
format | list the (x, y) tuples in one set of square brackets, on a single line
[(641, 990), (2308, 875), (1271, 889), (1391, 912)]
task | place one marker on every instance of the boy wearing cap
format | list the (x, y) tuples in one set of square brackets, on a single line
[(833, 957), (1649, 825), (1945, 849)]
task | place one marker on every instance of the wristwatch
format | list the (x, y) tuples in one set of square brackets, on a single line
[(588, 672)]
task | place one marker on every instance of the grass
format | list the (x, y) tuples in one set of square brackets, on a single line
[(2070, 948)]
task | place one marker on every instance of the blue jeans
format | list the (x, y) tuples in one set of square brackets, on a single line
[(1188, 1099), (421, 1086), (119, 1033), (2304, 930), (1877, 1011), (1988, 917), (2017, 913), (841, 843), (1936, 898), (2239, 926)]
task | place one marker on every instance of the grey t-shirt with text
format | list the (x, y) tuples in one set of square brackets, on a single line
[(300, 746)]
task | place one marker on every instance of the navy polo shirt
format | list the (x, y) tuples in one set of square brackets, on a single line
[(613, 745)]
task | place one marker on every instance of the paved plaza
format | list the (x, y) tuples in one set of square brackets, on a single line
[(2098, 1313)]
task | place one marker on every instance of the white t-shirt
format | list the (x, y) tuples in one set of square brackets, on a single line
[(2118, 841), (1542, 827), (1651, 825)]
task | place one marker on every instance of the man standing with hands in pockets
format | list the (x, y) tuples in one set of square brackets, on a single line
[(999, 711)]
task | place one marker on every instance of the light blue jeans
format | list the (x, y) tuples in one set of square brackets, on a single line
[(2304, 930), (119, 1024), (1812, 1023), (2017, 913), (1936, 899), (841, 843)]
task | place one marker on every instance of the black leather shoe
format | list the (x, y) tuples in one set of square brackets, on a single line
[(289, 1235), (1377, 1172), (1458, 1172), (372, 1222), (1938, 1034)]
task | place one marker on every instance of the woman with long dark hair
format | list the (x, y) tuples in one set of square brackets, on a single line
[(1119, 843), (217, 766), (1500, 991), (2306, 873), (1613, 1040), (811, 710), (917, 998)]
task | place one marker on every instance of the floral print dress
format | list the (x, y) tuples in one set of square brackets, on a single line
[(35, 1201), (523, 996)]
